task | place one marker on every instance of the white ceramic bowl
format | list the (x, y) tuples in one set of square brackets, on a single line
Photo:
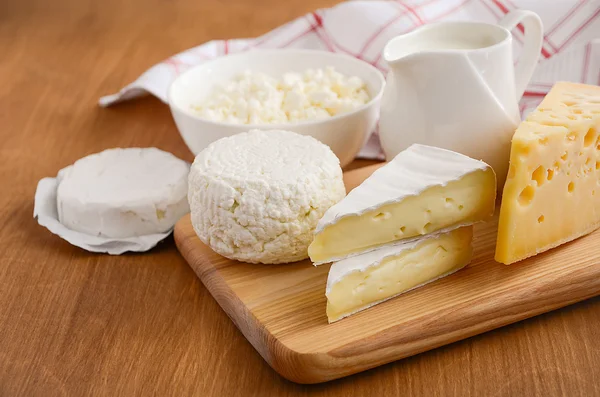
[(345, 133)]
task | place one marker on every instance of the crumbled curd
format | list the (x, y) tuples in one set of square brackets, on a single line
[(256, 98)]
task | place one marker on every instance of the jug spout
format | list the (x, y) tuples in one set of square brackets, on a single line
[(428, 39), (399, 48), (444, 38)]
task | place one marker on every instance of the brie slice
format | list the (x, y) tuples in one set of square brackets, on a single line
[(357, 283), (422, 190)]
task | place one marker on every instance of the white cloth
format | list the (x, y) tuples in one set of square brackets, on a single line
[(361, 29)]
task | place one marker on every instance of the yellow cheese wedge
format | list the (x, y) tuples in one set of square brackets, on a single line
[(357, 283), (552, 193), (422, 190)]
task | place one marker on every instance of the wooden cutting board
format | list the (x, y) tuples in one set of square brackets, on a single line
[(280, 309)]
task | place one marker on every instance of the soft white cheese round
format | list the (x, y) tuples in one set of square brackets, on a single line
[(123, 193), (257, 196)]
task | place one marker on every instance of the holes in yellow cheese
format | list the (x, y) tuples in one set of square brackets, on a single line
[(381, 216), (564, 156), (551, 123), (538, 175), (571, 137), (427, 227), (451, 202), (544, 141), (526, 195), (590, 137), (598, 165), (550, 174), (541, 219), (571, 187), (400, 233)]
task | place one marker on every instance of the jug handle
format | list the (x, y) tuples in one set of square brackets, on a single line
[(530, 54)]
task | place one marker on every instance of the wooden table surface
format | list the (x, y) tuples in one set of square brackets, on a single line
[(73, 323)]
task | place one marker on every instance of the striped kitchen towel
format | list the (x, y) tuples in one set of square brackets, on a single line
[(571, 49)]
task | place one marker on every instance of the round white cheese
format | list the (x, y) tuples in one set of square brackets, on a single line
[(123, 193), (257, 196)]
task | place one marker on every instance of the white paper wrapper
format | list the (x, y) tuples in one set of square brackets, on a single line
[(44, 210)]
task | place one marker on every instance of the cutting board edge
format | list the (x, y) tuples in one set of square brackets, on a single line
[(318, 367), (308, 366), (265, 343)]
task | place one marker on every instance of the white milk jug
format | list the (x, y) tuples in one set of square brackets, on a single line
[(454, 85)]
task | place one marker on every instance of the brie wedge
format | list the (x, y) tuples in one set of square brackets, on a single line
[(422, 190), (362, 281), (122, 193)]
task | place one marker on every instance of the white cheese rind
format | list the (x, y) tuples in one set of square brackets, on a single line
[(411, 172), (361, 263), (121, 193), (398, 294), (257, 196), (357, 283)]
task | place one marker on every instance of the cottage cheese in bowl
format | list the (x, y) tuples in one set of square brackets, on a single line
[(257, 98), (332, 97)]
